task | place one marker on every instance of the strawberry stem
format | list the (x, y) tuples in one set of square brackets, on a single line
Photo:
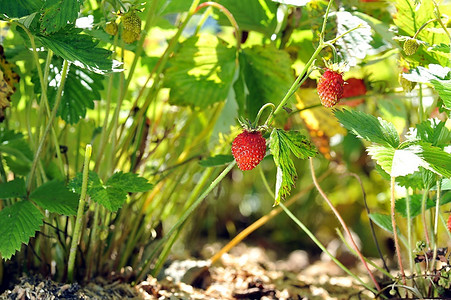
[(343, 224), (395, 232), (255, 124), (302, 76)]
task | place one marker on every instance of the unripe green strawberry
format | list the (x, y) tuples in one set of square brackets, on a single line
[(248, 148), (330, 88), (406, 85), (111, 28), (411, 46), (131, 22), (129, 36)]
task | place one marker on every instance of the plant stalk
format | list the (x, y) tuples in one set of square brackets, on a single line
[(183, 218), (324, 249), (343, 224), (48, 127), (79, 218), (395, 232)]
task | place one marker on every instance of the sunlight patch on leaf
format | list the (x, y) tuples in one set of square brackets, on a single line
[(81, 50), (355, 45), (201, 72)]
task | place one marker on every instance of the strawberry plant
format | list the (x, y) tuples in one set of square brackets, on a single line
[(120, 120)]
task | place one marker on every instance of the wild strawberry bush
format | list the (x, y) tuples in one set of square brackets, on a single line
[(117, 117)]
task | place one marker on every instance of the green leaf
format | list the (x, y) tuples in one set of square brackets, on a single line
[(411, 15), (16, 151), (255, 15), (79, 49), (19, 8), (355, 44), (201, 72), (426, 75), (415, 205), (18, 223), (436, 75), (111, 198), (13, 189), (81, 89), (443, 89), (369, 127), (438, 160), (128, 182), (409, 159), (217, 160), (377, 25), (282, 144), (56, 14), (55, 197), (267, 74), (434, 132), (383, 221), (113, 194)]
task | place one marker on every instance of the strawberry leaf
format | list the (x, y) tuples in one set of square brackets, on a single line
[(18, 223), (355, 44), (19, 8), (201, 72), (113, 193), (56, 14), (282, 144), (369, 127), (267, 74), (13, 189), (80, 49), (410, 157), (258, 15), (55, 197)]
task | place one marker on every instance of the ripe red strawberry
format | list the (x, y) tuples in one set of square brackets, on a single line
[(248, 148), (448, 224), (330, 88), (354, 87)]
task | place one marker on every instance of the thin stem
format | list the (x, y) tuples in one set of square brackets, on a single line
[(424, 25), (409, 233), (229, 16), (324, 249), (385, 272), (395, 232), (257, 118), (263, 220), (343, 34), (295, 84), (437, 213), (183, 218), (150, 17), (79, 218), (373, 233), (49, 126), (265, 183), (343, 224), (420, 108), (423, 218)]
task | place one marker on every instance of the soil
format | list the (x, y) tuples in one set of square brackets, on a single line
[(244, 273)]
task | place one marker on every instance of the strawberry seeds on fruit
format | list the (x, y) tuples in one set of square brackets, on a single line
[(331, 85), (249, 149)]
